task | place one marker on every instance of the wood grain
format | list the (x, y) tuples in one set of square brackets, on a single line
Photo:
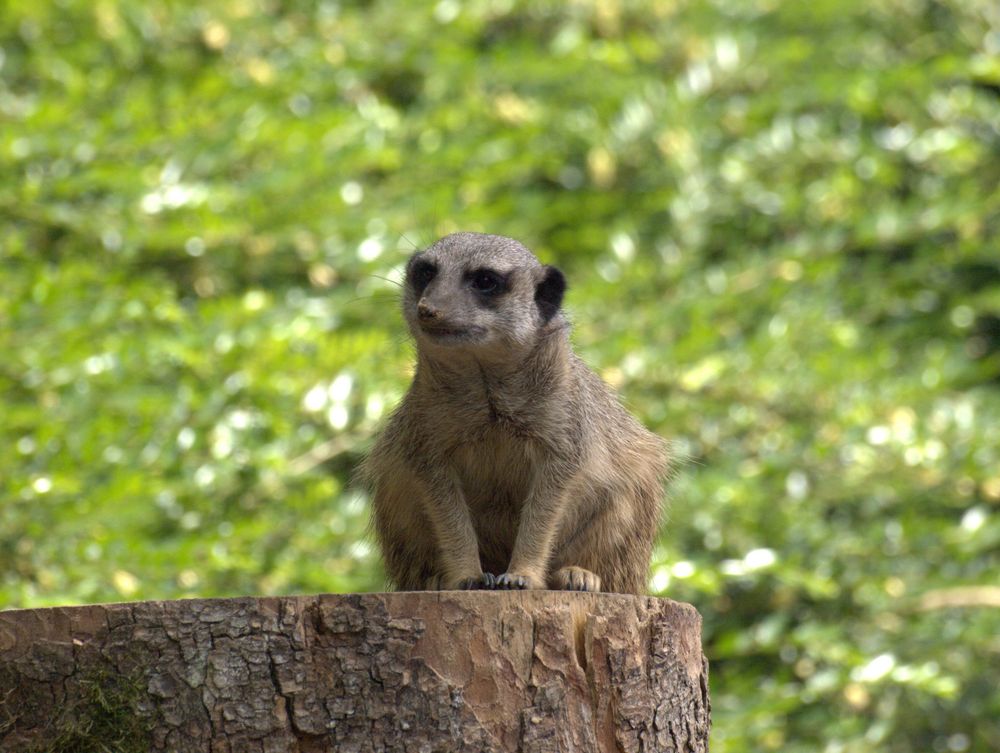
[(430, 671)]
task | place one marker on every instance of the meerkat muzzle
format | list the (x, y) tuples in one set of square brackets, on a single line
[(426, 312)]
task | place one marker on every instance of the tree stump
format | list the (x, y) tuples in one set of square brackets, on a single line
[(432, 671)]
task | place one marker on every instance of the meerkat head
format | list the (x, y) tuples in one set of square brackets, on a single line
[(480, 292)]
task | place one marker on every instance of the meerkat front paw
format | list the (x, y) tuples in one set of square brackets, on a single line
[(481, 582), (517, 582), (575, 579), (484, 582)]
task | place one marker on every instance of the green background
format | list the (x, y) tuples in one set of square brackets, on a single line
[(781, 226)]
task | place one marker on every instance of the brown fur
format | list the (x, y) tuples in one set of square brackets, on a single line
[(507, 454)]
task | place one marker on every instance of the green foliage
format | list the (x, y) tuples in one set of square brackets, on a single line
[(780, 222)]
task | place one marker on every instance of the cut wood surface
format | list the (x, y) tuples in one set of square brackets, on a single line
[(430, 671)]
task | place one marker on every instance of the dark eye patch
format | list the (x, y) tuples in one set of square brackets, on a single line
[(487, 282), (420, 273)]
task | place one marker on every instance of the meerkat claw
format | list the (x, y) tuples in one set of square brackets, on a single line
[(484, 582), (575, 579), (511, 582)]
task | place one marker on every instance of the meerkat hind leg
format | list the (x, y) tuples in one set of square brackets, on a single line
[(574, 579)]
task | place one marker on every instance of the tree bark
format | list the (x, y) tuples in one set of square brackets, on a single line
[(434, 671)]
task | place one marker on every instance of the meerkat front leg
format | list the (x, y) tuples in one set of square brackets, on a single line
[(455, 536), (540, 519)]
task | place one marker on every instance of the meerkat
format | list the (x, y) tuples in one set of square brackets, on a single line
[(508, 464)]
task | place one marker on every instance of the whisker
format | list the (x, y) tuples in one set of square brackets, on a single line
[(374, 297), (412, 244), (397, 283)]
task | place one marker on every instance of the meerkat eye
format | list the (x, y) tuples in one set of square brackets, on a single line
[(487, 281), (421, 273)]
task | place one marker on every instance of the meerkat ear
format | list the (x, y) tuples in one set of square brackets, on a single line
[(549, 293)]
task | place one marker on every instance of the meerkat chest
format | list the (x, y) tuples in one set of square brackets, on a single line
[(496, 471)]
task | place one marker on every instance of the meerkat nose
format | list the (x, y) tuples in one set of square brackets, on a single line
[(426, 311)]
